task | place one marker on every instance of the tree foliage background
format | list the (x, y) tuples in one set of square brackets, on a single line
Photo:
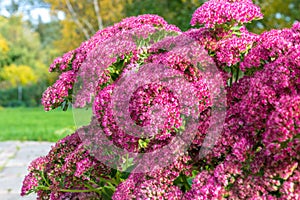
[(28, 45)]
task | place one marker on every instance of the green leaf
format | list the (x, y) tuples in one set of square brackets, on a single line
[(236, 28), (107, 192), (64, 106), (190, 181), (143, 143), (125, 175)]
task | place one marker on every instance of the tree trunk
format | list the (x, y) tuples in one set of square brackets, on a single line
[(76, 20), (20, 92), (97, 11)]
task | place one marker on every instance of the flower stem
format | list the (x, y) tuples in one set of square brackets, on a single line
[(237, 74), (230, 84), (72, 190)]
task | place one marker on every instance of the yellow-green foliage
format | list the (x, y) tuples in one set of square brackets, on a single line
[(111, 11), (3, 45), (18, 75)]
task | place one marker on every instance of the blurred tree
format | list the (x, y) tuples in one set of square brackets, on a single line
[(48, 31), (278, 14), (178, 12), (69, 39), (17, 76), (14, 75), (15, 7), (83, 19), (3, 45), (3, 51), (26, 51), (24, 45)]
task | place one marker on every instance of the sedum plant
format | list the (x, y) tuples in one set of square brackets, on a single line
[(139, 155)]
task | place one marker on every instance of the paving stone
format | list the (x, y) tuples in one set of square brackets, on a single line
[(14, 171), (15, 158), (17, 197), (7, 151), (29, 153), (11, 184)]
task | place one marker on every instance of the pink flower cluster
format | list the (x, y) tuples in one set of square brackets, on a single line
[(218, 12), (151, 97), (280, 139), (75, 58), (142, 100), (56, 94), (72, 61), (257, 156), (229, 50), (139, 110), (157, 184), (67, 168), (270, 46)]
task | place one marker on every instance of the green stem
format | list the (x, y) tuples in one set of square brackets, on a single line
[(88, 186), (42, 188), (72, 190), (93, 182), (44, 178), (186, 184), (91, 187), (78, 191), (237, 74), (231, 78)]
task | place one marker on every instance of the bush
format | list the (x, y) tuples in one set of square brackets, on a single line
[(31, 96), (162, 126)]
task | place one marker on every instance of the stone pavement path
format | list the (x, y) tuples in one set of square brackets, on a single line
[(14, 159)]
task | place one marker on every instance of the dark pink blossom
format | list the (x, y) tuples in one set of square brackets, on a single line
[(217, 12)]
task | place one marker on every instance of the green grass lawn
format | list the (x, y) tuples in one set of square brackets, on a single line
[(35, 124)]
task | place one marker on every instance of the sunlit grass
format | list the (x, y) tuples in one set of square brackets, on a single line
[(35, 124)]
